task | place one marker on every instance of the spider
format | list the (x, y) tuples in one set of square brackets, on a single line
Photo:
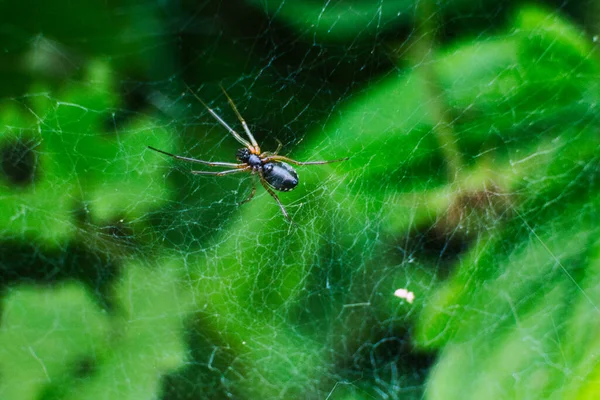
[(273, 170)]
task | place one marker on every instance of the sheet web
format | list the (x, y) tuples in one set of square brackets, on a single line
[(453, 255)]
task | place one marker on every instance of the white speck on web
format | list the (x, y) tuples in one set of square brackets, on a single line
[(405, 294)]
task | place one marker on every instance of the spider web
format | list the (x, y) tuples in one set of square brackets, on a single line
[(453, 256)]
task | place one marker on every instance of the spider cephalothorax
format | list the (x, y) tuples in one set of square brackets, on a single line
[(245, 156), (273, 171)]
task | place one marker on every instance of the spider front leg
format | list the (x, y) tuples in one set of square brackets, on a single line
[(244, 124), (272, 193), (289, 160), (221, 173), (193, 160), (220, 120)]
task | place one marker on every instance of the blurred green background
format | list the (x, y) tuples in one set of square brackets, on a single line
[(472, 186)]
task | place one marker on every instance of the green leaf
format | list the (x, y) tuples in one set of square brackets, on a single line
[(76, 166), (58, 342), (45, 335)]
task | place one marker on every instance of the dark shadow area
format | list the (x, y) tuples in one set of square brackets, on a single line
[(27, 263), (387, 361), (209, 373), (18, 161)]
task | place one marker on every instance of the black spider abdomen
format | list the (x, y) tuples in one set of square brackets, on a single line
[(280, 176)]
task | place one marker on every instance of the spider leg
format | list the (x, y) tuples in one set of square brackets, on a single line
[(214, 114), (237, 113), (272, 153), (251, 193), (279, 146), (272, 193), (221, 173), (209, 163), (286, 159)]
